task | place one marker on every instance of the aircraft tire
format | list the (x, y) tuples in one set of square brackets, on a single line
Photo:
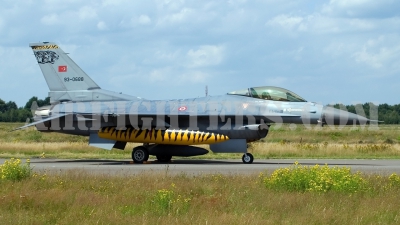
[(140, 154), (164, 158), (247, 158)]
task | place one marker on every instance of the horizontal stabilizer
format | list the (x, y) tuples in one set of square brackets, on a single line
[(41, 121)]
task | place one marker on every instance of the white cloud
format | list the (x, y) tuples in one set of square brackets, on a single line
[(318, 23), (235, 43), (336, 49), (159, 75), (144, 19), (102, 26), (182, 16), (51, 19), (87, 12), (111, 3), (171, 5), (362, 8), (193, 77), (276, 81), (71, 18), (297, 54), (237, 2), (18, 64), (1, 24), (135, 21), (285, 21), (166, 56), (206, 55), (377, 54)]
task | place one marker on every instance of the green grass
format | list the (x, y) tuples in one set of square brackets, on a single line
[(281, 142), (76, 197)]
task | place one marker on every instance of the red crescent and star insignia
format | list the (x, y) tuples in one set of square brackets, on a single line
[(182, 108), (62, 69)]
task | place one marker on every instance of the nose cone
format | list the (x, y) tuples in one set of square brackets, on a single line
[(332, 116)]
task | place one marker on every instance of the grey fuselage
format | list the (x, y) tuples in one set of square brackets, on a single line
[(237, 116)]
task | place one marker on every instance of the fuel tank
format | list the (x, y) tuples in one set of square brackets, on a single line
[(176, 150)]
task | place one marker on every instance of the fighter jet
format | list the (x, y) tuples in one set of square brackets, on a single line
[(167, 128)]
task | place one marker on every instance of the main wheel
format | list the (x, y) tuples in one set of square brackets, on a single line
[(140, 154), (247, 158), (164, 158)]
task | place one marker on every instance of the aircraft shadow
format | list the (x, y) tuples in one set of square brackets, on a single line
[(194, 162)]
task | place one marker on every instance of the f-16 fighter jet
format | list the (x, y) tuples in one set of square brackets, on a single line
[(167, 128)]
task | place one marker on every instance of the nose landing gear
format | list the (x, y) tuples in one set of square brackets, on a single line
[(247, 158)]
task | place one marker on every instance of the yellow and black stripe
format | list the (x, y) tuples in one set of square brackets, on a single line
[(45, 47), (176, 137)]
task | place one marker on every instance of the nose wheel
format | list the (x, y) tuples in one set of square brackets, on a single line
[(247, 158), (140, 154)]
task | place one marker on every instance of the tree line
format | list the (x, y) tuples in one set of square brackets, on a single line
[(10, 112), (390, 114)]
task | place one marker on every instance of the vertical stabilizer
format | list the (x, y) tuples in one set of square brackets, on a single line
[(66, 80), (60, 72)]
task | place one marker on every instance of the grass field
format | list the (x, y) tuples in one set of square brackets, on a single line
[(76, 197), (282, 142)]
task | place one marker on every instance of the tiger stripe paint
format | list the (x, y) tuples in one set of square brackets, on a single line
[(176, 137), (44, 47)]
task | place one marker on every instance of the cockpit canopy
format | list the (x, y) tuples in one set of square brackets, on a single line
[(269, 93)]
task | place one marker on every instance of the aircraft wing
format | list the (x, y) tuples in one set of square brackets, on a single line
[(41, 121)]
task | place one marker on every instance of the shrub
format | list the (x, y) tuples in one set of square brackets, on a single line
[(13, 170), (315, 179), (394, 180), (165, 200)]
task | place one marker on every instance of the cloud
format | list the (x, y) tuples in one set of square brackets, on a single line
[(71, 18), (377, 54), (135, 21), (287, 22), (185, 15), (87, 12), (206, 55), (362, 8), (170, 5), (2, 24), (194, 77), (50, 19), (102, 26), (159, 75), (144, 19), (230, 44), (276, 81)]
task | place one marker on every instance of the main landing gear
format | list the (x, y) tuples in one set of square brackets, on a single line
[(140, 154), (247, 158)]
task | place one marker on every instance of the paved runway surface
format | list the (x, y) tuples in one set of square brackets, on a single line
[(195, 166)]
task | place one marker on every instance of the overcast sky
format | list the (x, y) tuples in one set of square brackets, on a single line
[(344, 51)]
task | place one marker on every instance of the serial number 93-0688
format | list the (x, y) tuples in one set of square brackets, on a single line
[(67, 79)]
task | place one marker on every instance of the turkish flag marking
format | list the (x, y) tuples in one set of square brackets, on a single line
[(62, 68)]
